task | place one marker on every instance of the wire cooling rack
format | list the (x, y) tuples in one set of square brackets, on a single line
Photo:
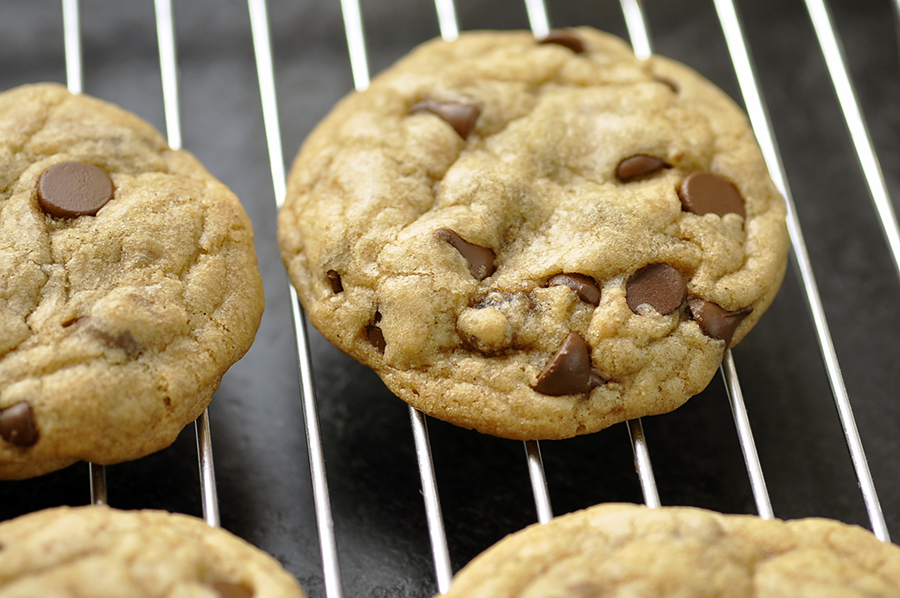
[(329, 538)]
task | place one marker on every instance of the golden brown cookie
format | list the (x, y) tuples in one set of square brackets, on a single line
[(618, 551), (98, 552), (128, 283), (535, 240)]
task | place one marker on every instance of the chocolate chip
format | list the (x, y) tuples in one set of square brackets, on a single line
[(660, 286), (569, 370), (17, 425), (73, 189), (335, 280), (639, 166), (667, 82), (706, 193), (123, 340), (563, 37), (375, 335), (481, 259), (227, 589), (461, 117), (583, 286), (714, 321)]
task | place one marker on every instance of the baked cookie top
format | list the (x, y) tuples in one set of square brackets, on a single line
[(535, 240), (618, 550), (128, 283), (97, 552)]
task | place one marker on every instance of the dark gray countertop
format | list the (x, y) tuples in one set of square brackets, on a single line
[(257, 426)]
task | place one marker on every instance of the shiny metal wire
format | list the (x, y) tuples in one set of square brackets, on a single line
[(72, 42), (836, 61), (638, 31), (168, 67), (538, 17), (168, 71), (74, 83), (262, 47), (641, 40), (759, 118)]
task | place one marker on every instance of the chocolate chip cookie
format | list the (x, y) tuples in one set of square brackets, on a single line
[(128, 283), (618, 550), (98, 551), (535, 238)]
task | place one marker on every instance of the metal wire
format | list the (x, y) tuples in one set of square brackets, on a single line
[(208, 495), (446, 11), (638, 30), (836, 62), (534, 461), (262, 46), (72, 43), (168, 67), (759, 118), (538, 481), (437, 534), (745, 435), (537, 18), (642, 463), (97, 477), (75, 83), (356, 43)]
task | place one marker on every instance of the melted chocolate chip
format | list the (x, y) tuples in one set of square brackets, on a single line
[(569, 370), (461, 117), (564, 37), (17, 425), (123, 340), (73, 189), (714, 321), (706, 193), (667, 82), (639, 166), (334, 279), (481, 259), (376, 337), (227, 589), (583, 286), (660, 286)]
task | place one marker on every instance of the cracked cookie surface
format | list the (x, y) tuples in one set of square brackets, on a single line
[(128, 283), (535, 240), (97, 552), (619, 550)]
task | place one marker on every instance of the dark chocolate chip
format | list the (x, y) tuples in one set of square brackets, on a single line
[(667, 82), (461, 117), (639, 166), (583, 286), (123, 340), (714, 321), (335, 280), (73, 189), (706, 193), (17, 425), (660, 286), (481, 259), (227, 589), (563, 37), (376, 336), (569, 370)]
